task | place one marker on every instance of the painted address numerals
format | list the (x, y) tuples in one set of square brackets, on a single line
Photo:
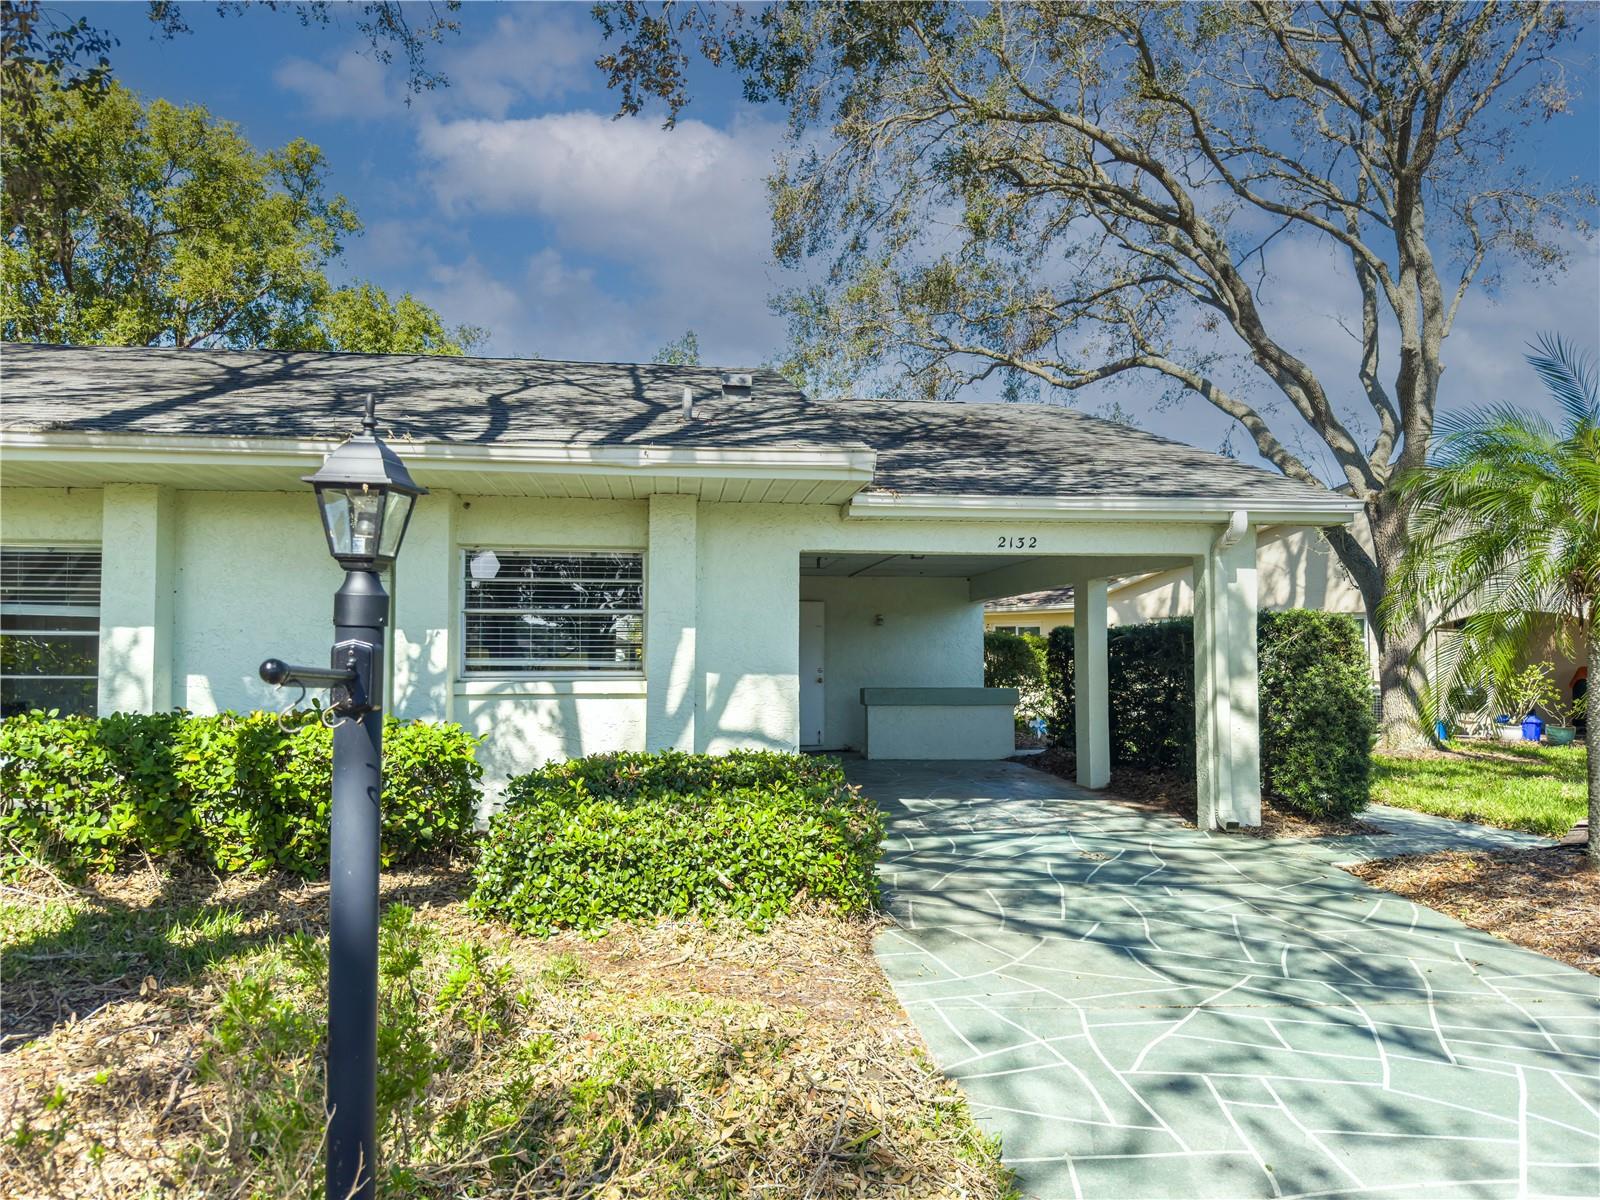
[(1017, 543)]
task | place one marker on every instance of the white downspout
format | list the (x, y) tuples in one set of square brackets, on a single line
[(1238, 523)]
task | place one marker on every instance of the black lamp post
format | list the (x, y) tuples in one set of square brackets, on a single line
[(365, 494)]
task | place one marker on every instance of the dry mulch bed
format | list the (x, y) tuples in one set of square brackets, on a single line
[(825, 1089), (1161, 791), (1546, 900)]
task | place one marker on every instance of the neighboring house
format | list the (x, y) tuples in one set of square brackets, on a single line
[(602, 565), (1295, 568)]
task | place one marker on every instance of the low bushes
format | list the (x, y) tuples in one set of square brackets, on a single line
[(1316, 707), (589, 842), (1017, 661), (234, 793)]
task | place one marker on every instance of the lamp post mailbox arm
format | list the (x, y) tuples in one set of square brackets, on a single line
[(349, 678)]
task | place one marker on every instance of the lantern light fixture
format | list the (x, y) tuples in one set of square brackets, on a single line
[(365, 495)]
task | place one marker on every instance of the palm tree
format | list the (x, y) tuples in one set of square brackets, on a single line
[(1505, 530)]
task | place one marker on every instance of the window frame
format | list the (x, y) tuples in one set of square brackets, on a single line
[(465, 677), (83, 612)]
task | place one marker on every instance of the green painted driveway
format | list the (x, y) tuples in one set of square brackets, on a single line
[(1145, 1010)]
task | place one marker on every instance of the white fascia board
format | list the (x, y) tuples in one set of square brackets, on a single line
[(1203, 510), (800, 462)]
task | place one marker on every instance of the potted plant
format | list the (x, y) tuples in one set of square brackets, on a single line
[(1521, 695), (1467, 711), (1561, 731)]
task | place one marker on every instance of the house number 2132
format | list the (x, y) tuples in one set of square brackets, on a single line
[(1017, 543)]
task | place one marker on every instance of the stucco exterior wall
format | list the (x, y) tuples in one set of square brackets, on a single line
[(251, 579), (50, 516), (749, 628), (931, 636), (220, 580), (1297, 568)]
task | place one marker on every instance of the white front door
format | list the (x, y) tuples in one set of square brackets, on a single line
[(811, 693)]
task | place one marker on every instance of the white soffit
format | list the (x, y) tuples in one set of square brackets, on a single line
[(1207, 510)]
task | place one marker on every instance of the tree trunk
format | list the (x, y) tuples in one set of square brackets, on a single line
[(1401, 676), (1591, 739), (1400, 684)]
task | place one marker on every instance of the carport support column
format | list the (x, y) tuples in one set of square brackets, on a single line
[(1226, 708), (1091, 684), (137, 538), (670, 661)]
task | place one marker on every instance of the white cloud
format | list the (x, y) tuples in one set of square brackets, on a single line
[(533, 52), (682, 212), (352, 86), (537, 52), (616, 186)]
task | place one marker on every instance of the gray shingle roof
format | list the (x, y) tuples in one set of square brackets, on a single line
[(1053, 598), (923, 447)]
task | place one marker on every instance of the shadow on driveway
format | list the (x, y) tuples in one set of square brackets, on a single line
[(1145, 1010)]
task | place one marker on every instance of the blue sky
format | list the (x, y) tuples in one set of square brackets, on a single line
[(512, 200)]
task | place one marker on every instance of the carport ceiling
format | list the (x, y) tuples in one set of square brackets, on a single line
[(942, 566)]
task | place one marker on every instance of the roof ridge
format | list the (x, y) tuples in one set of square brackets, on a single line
[(411, 355)]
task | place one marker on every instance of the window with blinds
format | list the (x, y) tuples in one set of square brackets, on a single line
[(49, 629), (528, 612)]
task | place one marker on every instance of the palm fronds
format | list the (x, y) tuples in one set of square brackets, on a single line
[(1504, 527)]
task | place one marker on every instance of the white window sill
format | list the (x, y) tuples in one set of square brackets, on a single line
[(558, 685)]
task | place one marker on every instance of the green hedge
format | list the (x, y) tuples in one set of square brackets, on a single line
[(235, 793), (1013, 660), (1316, 704), (1316, 711), (1151, 673), (1008, 661), (584, 843)]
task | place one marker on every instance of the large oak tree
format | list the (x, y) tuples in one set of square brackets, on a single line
[(153, 224), (1063, 194), (158, 224)]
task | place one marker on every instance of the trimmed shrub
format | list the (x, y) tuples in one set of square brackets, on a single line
[(615, 837), (1018, 661), (1316, 708), (1150, 669), (1060, 685), (235, 793), (1316, 712), (1008, 661)]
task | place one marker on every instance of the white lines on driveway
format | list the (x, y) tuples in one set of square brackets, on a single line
[(1196, 1016)]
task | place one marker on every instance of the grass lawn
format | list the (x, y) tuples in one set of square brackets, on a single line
[(163, 1035), (1539, 789)]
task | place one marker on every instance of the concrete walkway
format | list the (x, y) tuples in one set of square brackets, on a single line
[(1408, 832), (1144, 1010)]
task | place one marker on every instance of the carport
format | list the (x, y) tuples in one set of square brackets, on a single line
[(910, 619)]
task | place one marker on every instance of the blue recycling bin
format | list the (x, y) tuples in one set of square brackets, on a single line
[(1532, 728)]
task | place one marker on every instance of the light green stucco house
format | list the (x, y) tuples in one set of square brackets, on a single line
[(612, 556)]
